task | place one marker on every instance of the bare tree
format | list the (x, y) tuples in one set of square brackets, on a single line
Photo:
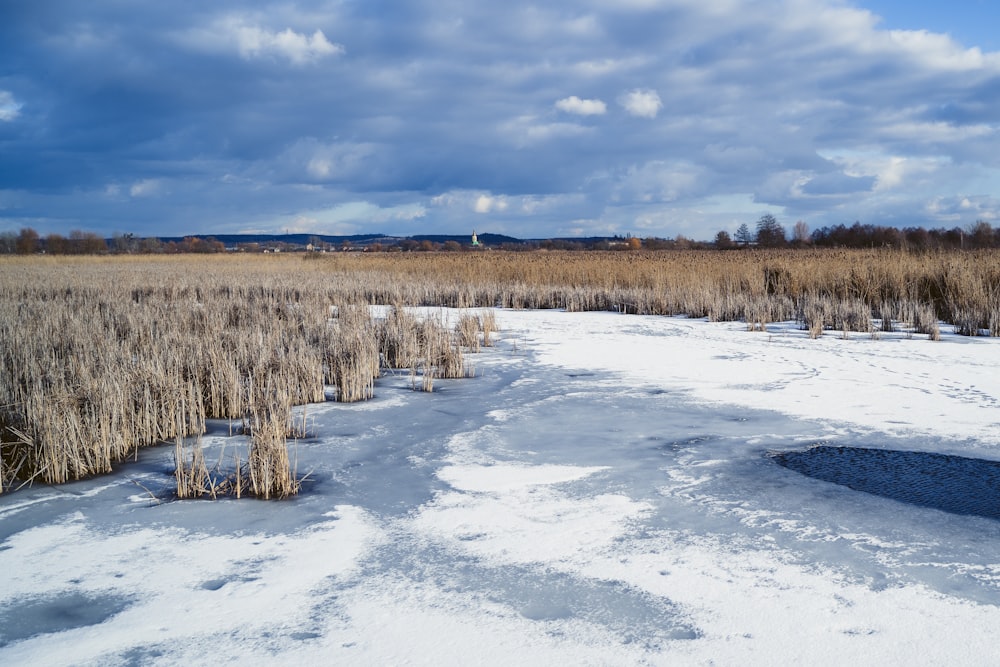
[(27, 241), (723, 241), (800, 233), (770, 233), (980, 235)]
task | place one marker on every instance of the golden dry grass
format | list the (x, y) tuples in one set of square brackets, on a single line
[(962, 288), (100, 356), (103, 357)]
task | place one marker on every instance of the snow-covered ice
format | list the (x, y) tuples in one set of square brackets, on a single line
[(609, 490)]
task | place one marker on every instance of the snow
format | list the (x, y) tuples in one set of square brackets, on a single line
[(607, 490)]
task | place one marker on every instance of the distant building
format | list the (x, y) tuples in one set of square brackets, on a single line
[(475, 239)]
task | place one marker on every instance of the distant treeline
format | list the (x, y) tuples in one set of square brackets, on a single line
[(29, 242), (979, 235), (766, 233), (769, 233)]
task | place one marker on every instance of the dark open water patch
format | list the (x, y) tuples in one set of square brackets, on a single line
[(950, 483)]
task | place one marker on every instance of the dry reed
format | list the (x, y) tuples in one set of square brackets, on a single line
[(100, 356)]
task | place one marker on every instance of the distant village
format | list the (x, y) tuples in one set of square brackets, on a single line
[(28, 241)]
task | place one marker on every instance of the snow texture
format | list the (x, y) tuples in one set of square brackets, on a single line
[(609, 489)]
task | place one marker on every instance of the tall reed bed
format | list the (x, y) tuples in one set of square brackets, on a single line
[(100, 358), (755, 286)]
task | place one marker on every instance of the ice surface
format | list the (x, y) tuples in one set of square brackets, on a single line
[(607, 490)]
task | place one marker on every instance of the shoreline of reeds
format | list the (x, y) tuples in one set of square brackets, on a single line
[(101, 356)]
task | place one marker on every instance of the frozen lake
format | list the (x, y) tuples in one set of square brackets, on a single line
[(608, 489)]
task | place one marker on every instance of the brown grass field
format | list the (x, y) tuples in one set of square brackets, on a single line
[(102, 355)]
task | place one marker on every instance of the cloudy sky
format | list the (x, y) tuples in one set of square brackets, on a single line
[(643, 117)]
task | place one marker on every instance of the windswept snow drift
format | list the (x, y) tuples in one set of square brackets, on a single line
[(605, 491)]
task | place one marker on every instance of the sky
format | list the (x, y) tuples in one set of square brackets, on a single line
[(642, 117)]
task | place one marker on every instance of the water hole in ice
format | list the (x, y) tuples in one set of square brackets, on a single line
[(945, 482)]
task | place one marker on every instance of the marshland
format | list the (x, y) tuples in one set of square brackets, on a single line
[(104, 355), (598, 487)]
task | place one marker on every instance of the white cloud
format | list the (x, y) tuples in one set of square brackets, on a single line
[(350, 217), (145, 188), (939, 131), (643, 103), (460, 201), (891, 172), (483, 204), (660, 181), (606, 66), (9, 107), (939, 51), (314, 161), (575, 105), (529, 205), (527, 130), (251, 41), (584, 26), (455, 205), (297, 47), (319, 168), (959, 208), (487, 203)]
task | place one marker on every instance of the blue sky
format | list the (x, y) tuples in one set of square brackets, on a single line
[(643, 117), (969, 22)]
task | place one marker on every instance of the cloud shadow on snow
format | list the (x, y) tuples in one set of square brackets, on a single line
[(50, 614)]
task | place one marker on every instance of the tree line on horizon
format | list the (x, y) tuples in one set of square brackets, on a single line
[(767, 232), (29, 242)]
